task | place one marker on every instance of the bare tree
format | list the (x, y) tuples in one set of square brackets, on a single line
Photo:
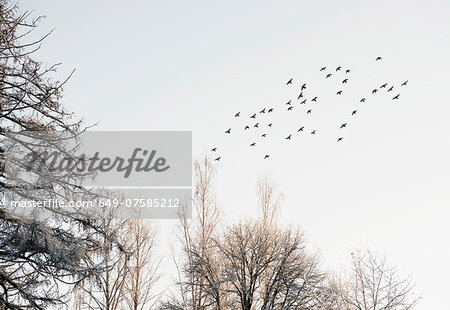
[(269, 199), (129, 272), (293, 280), (250, 265), (142, 266), (269, 269), (198, 286), (373, 285)]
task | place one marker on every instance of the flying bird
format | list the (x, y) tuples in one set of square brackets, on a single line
[(263, 111), (391, 89), (267, 156), (289, 82), (339, 92), (303, 102), (288, 103), (301, 129), (340, 139), (343, 125), (217, 159), (237, 114), (338, 68), (396, 97), (270, 125), (323, 69), (214, 149), (253, 116), (384, 85), (288, 137), (303, 86), (404, 83), (290, 108), (270, 110), (363, 100), (354, 112), (328, 75), (314, 99), (345, 81), (228, 131), (300, 96), (246, 127), (374, 91), (309, 111), (253, 144), (347, 71), (256, 125), (264, 135), (378, 58), (313, 132)]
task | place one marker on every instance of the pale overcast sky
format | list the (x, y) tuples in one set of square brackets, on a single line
[(173, 65)]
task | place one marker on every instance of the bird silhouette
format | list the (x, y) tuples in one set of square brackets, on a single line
[(374, 91), (328, 75), (237, 114), (264, 135), (396, 97), (345, 81), (384, 85), (323, 69), (288, 137), (290, 108), (256, 125), (339, 92), (246, 127), (343, 125), (340, 139), (301, 129), (228, 131), (347, 71), (354, 112), (214, 149), (338, 68), (270, 110), (253, 144), (314, 99), (391, 89), (300, 96), (404, 83), (313, 132), (270, 125), (303, 86), (263, 111), (267, 156), (218, 158), (303, 102), (309, 111), (363, 100), (253, 116), (289, 82), (288, 103), (378, 58)]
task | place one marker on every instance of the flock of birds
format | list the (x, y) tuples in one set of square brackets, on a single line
[(303, 100)]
